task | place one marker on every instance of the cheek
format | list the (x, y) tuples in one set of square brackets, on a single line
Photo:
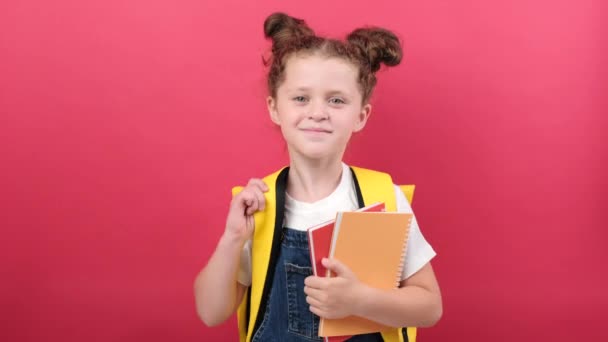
[(347, 120)]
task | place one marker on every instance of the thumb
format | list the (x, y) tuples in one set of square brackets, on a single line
[(337, 267)]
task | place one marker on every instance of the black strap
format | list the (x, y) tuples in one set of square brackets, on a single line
[(357, 189), (281, 187)]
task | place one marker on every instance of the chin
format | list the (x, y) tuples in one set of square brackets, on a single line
[(315, 154), (314, 150)]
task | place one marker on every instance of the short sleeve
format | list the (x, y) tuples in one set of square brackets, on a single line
[(418, 252), (244, 273)]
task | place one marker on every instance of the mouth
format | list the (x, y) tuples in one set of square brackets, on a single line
[(316, 130)]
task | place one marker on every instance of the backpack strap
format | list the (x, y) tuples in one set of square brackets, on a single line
[(265, 250)]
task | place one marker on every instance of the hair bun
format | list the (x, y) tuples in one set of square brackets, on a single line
[(377, 45), (283, 29)]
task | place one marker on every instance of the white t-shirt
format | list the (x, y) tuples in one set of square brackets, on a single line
[(302, 215)]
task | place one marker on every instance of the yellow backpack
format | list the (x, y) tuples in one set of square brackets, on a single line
[(371, 186)]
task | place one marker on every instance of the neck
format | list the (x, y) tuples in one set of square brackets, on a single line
[(312, 180)]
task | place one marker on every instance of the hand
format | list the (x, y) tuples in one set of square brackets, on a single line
[(335, 297), (240, 223)]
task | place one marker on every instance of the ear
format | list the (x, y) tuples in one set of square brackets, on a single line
[(271, 103), (362, 117)]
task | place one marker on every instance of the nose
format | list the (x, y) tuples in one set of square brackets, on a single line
[(318, 112)]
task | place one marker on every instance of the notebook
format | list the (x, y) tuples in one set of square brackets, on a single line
[(372, 245), (319, 242)]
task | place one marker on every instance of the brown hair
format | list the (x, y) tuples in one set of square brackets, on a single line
[(366, 48)]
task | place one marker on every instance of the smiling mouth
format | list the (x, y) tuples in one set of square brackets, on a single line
[(316, 130)]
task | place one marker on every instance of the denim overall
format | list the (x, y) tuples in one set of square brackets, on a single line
[(287, 316)]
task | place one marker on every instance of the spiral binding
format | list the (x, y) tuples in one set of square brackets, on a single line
[(403, 251)]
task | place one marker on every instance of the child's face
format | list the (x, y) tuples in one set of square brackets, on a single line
[(318, 106)]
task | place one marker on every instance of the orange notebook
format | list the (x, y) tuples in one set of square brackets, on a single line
[(372, 245), (319, 242)]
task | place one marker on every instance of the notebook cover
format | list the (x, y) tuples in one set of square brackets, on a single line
[(319, 241), (372, 245)]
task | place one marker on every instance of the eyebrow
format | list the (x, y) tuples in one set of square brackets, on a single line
[(337, 92), (299, 89), (331, 92)]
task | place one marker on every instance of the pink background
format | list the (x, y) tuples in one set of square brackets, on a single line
[(124, 124)]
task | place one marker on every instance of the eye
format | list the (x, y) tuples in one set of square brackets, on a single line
[(336, 100), (300, 99)]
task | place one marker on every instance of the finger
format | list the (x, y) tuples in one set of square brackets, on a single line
[(316, 294), (336, 266), (315, 282), (317, 311), (314, 302), (260, 198), (258, 183), (241, 201), (249, 201), (253, 207), (258, 187)]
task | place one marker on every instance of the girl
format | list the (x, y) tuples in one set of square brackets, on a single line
[(319, 91)]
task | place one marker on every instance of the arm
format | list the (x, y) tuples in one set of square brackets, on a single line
[(417, 303), (216, 290)]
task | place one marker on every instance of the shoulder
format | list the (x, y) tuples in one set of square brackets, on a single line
[(270, 180), (371, 176), (403, 205), (403, 193), (363, 170)]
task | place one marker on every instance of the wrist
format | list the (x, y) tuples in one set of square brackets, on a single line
[(364, 294)]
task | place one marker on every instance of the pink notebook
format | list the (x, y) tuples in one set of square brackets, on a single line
[(319, 243)]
